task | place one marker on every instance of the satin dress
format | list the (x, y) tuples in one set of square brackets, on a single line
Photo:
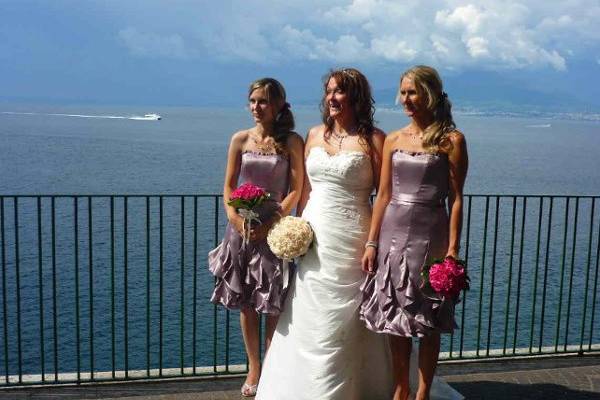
[(251, 275), (414, 231)]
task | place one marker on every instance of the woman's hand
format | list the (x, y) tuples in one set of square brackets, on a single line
[(368, 260), (237, 223), (260, 232), (452, 254)]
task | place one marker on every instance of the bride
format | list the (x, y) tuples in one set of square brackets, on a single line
[(320, 349)]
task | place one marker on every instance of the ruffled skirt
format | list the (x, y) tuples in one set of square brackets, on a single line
[(248, 275), (394, 301)]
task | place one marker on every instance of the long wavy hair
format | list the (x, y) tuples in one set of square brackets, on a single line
[(429, 85), (352, 82), (283, 124)]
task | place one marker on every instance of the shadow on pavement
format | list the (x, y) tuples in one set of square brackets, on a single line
[(486, 390)]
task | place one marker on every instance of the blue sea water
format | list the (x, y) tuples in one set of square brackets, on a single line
[(184, 153)]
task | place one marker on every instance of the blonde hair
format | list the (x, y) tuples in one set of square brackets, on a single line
[(429, 85), (284, 120)]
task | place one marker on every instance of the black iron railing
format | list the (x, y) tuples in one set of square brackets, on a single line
[(116, 287)]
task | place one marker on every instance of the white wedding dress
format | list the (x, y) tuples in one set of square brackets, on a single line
[(320, 349)]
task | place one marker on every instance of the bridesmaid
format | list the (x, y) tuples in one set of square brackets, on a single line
[(250, 277), (416, 217)]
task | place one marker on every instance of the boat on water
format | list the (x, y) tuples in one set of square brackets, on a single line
[(147, 117)]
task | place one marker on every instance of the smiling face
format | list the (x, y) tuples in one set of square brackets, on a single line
[(412, 100), (260, 107), (336, 99)]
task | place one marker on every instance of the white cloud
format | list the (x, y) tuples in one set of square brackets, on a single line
[(453, 34), (477, 47), (467, 17), (151, 44), (304, 44), (392, 48)]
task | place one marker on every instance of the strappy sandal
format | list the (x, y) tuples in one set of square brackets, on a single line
[(249, 390)]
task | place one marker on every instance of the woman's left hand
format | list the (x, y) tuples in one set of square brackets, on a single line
[(453, 254)]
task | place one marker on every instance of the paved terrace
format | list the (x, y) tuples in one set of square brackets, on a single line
[(567, 377)]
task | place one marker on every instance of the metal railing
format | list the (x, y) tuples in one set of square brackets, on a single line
[(116, 287)]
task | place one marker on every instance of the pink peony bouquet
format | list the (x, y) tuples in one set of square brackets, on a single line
[(447, 277), (245, 199)]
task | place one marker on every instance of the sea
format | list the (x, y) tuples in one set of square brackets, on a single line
[(119, 279), (87, 150)]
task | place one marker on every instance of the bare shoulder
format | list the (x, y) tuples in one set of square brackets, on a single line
[(315, 134), (294, 140), (378, 135), (457, 151), (393, 136), (240, 137), (457, 138)]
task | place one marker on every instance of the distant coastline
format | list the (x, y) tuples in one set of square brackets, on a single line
[(525, 113)]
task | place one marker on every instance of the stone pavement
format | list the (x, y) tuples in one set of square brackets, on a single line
[(572, 378), (569, 378)]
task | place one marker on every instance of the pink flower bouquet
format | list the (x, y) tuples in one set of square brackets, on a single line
[(447, 277), (245, 199)]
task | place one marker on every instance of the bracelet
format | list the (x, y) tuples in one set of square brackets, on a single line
[(371, 243)]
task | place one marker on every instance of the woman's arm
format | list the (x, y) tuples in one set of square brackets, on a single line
[(310, 140), (378, 140), (232, 172), (296, 177), (384, 194), (459, 164), (295, 148)]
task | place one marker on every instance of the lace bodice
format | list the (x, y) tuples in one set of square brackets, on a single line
[(340, 185), (347, 175)]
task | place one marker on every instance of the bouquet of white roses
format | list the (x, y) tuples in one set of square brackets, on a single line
[(290, 237)]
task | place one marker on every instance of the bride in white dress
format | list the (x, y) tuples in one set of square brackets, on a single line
[(321, 350)]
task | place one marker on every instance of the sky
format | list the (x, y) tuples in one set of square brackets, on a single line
[(192, 52)]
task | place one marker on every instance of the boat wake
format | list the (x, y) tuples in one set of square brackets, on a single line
[(539, 126), (145, 117)]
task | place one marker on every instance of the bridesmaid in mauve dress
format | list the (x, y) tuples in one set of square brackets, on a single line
[(248, 276), (423, 173)]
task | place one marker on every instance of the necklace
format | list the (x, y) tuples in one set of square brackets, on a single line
[(416, 136), (339, 138), (262, 146)]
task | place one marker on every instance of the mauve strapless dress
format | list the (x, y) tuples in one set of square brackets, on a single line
[(251, 275), (414, 231)]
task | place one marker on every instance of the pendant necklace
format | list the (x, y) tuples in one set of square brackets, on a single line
[(415, 136), (339, 138)]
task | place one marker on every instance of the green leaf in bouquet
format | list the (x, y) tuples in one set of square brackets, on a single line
[(238, 203)]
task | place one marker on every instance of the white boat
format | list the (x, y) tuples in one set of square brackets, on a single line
[(147, 117)]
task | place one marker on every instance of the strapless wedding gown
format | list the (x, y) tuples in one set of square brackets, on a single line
[(321, 350)]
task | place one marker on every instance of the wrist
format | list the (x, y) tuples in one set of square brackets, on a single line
[(371, 243), (452, 253), (234, 218)]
